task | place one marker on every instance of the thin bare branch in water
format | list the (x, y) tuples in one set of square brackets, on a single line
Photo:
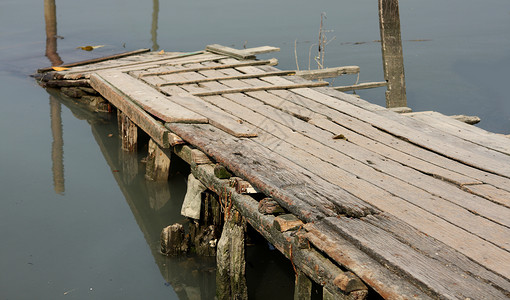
[(295, 54)]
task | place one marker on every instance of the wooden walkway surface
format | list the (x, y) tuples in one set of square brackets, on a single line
[(416, 205)]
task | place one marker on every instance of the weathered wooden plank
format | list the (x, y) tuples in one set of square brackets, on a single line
[(447, 256), (391, 141), (464, 131), (262, 88), (244, 76), (425, 271), (322, 160), (386, 283), (150, 99), (152, 127), (360, 86), (96, 60), (471, 120), (490, 192), (327, 72), (241, 54), (271, 62), (216, 116), (273, 175)]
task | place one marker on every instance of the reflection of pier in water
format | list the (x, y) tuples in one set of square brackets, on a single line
[(154, 205)]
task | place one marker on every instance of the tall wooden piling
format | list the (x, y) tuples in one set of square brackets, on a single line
[(230, 258), (391, 47), (158, 163), (128, 132), (50, 20)]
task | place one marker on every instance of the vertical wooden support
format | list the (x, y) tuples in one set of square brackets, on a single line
[(158, 163), (128, 132), (154, 26), (50, 20), (302, 287), (391, 47), (57, 146), (230, 259)]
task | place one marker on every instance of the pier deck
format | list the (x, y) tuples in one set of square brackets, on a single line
[(415, 205)]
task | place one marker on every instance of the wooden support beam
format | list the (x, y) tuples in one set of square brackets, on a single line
[(360, 86), (243, 76), (270, 62), (158, 163), (302, 287), (262, 88), (230, 259), (128, 132), (391, 48), (327, 72)]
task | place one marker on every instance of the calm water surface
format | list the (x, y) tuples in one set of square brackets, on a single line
[(94, 235)]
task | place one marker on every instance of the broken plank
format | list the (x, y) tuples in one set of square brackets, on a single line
[(241, 54), (150, 99), (327, 72), (360, 86), (216, 116), (262, 88), (151, 126)]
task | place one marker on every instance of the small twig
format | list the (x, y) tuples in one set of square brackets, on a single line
[(295, 54)]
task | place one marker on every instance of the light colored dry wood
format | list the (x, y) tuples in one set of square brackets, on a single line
[(384, 247), (471, 120), (360, 86), (327, 72), (271, 62), (241, 54), (366, 192), (150, 99), (467, 132), (261, 88), (96, 60), (490, 192), (244, 76)]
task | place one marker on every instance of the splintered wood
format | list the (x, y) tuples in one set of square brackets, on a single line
[(417, 206)]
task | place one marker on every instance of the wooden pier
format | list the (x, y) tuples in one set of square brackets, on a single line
[(360, 199)]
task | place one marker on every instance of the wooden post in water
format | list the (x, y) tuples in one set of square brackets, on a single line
[(230, 259), (50, 19), (154, 27), (128, 132), (391, 47), (158, 163)]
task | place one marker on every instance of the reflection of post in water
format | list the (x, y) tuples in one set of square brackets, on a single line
[(57, 147), (50, 18), (391, 46), (154, 27)]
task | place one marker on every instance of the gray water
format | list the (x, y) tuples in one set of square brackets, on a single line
[(94, 235)]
